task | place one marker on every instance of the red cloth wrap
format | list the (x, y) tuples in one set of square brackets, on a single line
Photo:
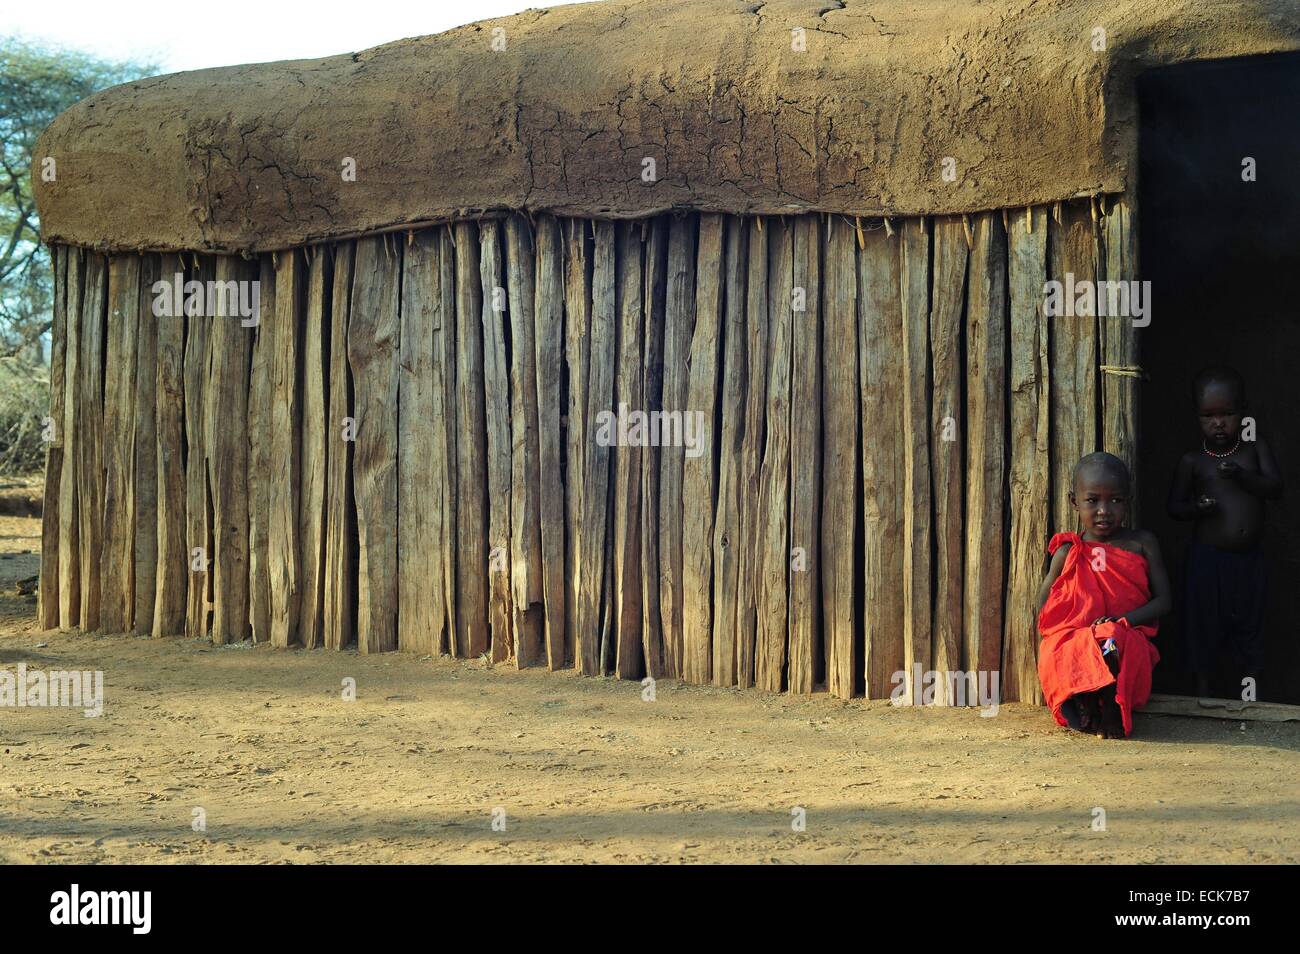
[(1069, 659)]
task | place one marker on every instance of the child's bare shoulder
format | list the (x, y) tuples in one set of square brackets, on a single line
[(1147, 541)]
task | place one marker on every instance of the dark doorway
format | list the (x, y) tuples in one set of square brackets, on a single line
[(1223, 257)]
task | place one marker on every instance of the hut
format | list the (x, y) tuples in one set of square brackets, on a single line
[(708, 340)]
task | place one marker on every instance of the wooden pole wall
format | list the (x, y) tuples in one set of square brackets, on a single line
[(855, 439)]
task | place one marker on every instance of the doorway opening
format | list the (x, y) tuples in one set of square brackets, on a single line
[(1219, 233)]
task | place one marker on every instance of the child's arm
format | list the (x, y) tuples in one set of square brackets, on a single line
[(1160, 602), (1265, 483), (1053, 571), (1181, 505)]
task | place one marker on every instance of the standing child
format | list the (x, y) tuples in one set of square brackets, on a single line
[(1099, 605), (1222, 486)]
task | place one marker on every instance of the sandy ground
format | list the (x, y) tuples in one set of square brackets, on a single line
[(285, 770)]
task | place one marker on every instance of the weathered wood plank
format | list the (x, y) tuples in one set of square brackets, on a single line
[(915, 287), (340, 597), (733, 377), (679, 327), (839, 400), (596, 469), (805, 459), (47, 608), (653, 302), (473, 634), (773, 516), (90, 427), (699, 477), (226, 397), (577, 322), (1120, 392), (259, 456), (172, 576), (284, 559), (629, 398), (198, 548), (373, 341), (749, 564), (549, 341), (526, 581), (1072, 252), (496, 387), (314, 448), (947, 427), (70, 428), (421, 473), (445, 436), (1030, 465), (144, 478), (986, 347), (880, 358), (117, 557)]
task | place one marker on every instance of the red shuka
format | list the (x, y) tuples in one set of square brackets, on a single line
[(1097, 580)]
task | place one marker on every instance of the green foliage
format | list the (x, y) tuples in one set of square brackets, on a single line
[(36, 84)]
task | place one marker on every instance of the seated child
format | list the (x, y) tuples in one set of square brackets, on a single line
[(1098, 607), (1222, 486)]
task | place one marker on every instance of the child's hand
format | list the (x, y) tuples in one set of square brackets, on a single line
[(1105, 619), (1229, 470), (1205, 503)]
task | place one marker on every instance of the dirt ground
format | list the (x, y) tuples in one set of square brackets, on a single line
[(580, 769)]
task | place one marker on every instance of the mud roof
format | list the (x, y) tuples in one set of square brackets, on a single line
[(627, 108)]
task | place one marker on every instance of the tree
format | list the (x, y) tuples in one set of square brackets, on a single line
[(36, 84)]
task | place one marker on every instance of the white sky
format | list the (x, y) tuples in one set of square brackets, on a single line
[(185, 35)]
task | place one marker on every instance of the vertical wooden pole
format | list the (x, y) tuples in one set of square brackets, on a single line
[(373, 343), (947, 425), (1120, 392), (284, 560), (805, 459), (70, 573), (260, 461), (839, 400), (117, 557), (699, 476), (496, 387), (653, 301), (1030, 458), (472, 450), (596, 479), (144, 478), (549, 341), (629, 398), (445, 434), (198, 551), (421, 455), (774, 479), (314, 447), (340, 508), (733, 385), (880, 358), (577, 347), (525, 471), (1072, 256), (47, 611), (986, 347), (227, 398), (915, 287), (748, 562), (173, 565), (679, 327)]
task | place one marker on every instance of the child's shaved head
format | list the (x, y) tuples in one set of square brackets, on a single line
[(1219, 375), (1104, 465)]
